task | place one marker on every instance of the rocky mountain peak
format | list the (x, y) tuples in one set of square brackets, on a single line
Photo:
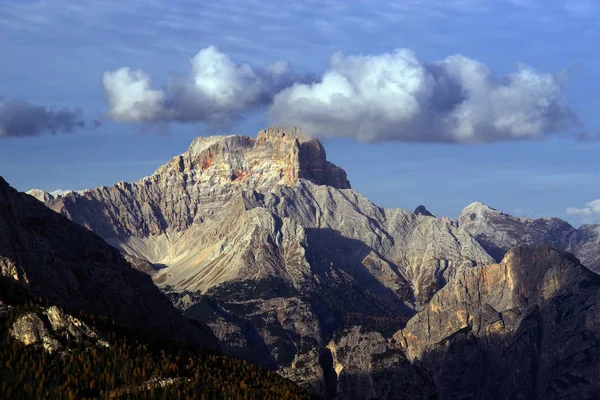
[(476, 209), (498, 232), (421, 210), (40, 195), (276, 156), (279, 133)]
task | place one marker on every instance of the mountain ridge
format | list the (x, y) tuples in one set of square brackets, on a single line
[(498, 232)]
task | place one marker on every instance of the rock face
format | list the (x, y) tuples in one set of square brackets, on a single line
[(526, 328), (499, 232), (75, 269), (264, 240), (51, 327), (367, 366)]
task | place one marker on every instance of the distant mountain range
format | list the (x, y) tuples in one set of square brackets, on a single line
[(498, 232), (264, 241)]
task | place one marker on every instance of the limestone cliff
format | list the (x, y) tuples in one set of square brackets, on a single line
[(528, 328), (50, 328)]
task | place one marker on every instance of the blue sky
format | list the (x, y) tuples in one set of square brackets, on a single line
[(55, 53)]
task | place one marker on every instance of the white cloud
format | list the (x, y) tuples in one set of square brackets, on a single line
[(217, 91), (394, 96), (588, 214), (130, 96)]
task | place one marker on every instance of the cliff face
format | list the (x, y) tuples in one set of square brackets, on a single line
[(75, 269), (528, 327), (51, 327)]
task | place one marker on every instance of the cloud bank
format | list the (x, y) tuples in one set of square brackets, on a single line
[(588, 214), (22, 119), (217, 91), (389, 96), (394, 96)]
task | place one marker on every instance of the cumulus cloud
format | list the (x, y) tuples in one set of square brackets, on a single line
[(588, 214), (395, 96), (22, 119), (216, 91), (130, 95)]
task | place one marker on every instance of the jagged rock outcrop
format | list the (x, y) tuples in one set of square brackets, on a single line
[(312, 371), (528, 328), (499, 232), (585, 244), (264, 240), (51, 328), (421, 210), (367, 366), (75, 269)]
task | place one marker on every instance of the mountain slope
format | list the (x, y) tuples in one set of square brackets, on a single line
[(527, 328), (75, 269)]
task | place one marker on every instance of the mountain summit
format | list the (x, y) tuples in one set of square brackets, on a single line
[(276, 157), (200, 180)]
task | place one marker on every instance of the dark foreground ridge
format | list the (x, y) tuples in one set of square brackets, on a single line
[(75, 269), (47, 353)]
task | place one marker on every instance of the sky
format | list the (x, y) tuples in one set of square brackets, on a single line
[(434, 102)]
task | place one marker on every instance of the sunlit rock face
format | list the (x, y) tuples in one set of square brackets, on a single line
[(50, 327), (527, 327)]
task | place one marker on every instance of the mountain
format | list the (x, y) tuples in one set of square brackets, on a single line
[(499, 232), (264, 240), (75, 269)]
